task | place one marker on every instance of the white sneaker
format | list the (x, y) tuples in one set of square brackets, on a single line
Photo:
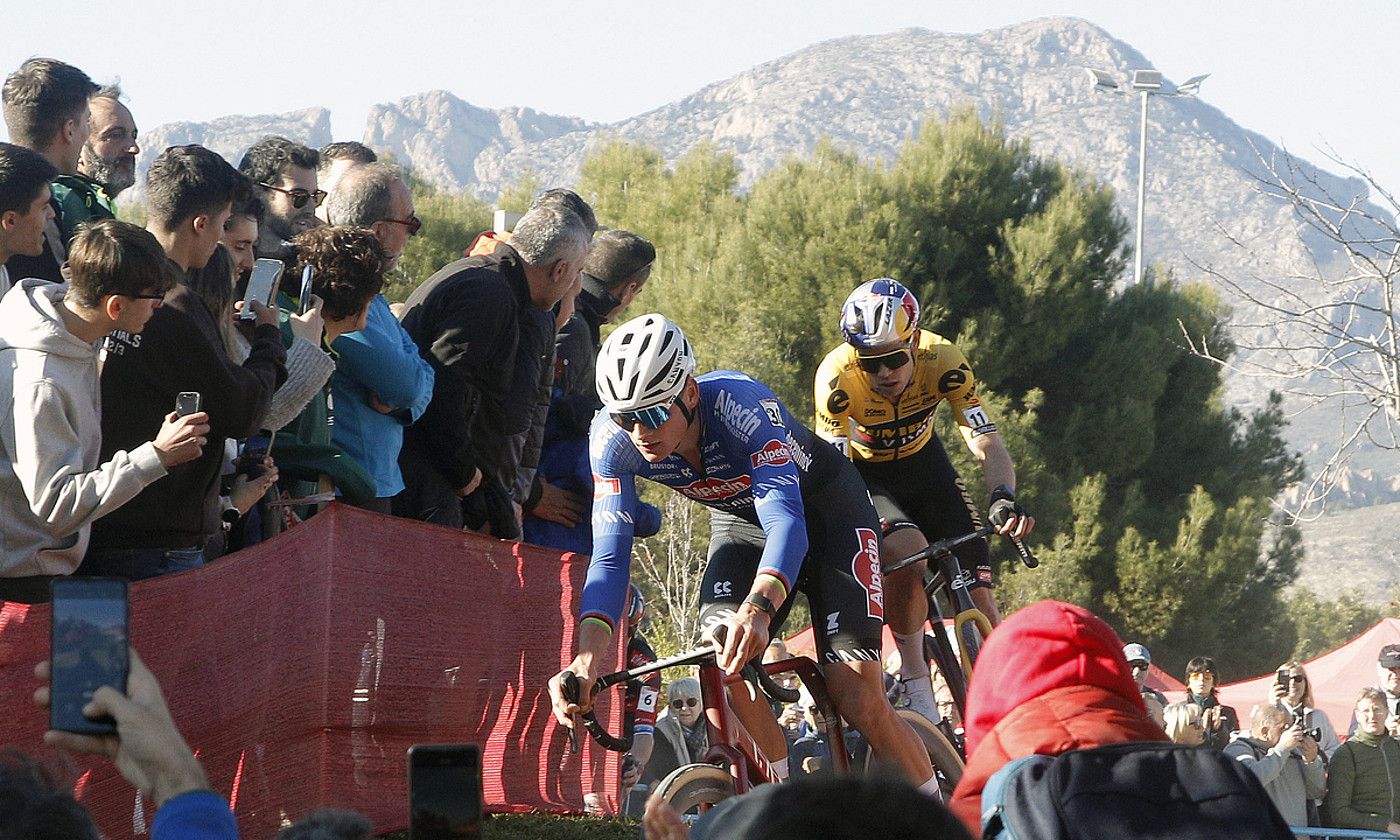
[(918, 696)]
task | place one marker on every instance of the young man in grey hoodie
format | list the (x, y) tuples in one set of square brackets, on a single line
[(51, 484)]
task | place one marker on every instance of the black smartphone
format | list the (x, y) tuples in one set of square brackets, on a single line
[(88, 649), (305, 298), (187, 403), (262, 286), (1283, 677), (444, 791)]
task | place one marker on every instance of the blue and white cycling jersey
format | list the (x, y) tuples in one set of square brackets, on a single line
[(757, 461)]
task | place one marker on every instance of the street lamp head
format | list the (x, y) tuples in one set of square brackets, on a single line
[(1103, 80), (1191, 86), (1147, 80)]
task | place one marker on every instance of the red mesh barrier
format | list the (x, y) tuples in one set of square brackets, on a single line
[(301, 670)]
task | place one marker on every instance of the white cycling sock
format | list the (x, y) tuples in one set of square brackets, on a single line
[(913, 663), (931, 788), (780, 768)]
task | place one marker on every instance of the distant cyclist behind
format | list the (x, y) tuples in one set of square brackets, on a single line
[(875, 399), (786, 512)]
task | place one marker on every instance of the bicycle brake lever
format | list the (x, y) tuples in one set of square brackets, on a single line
[(1027, 557), (569, 687)]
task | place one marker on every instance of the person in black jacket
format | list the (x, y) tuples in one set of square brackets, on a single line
[(470, 321), (190, 192)]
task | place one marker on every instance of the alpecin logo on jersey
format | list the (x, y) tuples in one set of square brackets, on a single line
[(866, 567), (715, 490), (742, 421), (774, 453)]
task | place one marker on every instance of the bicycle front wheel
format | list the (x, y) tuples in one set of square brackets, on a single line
[(947, 764), (695, 786)]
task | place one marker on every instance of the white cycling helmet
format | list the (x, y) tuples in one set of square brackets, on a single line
[(642, 368), (879, 312)]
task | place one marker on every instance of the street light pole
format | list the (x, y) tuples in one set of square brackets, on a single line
[(1147, 83), (1138, 278)]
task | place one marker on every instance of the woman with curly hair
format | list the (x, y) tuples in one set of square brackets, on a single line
[(348, 266)]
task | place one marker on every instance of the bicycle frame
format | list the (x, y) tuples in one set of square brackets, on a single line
[(729, 741), (732, 743), (970, 625)]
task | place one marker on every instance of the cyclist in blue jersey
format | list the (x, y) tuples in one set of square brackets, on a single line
[(788, 511)]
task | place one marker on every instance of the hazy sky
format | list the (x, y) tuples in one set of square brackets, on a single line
[(1305, 74)]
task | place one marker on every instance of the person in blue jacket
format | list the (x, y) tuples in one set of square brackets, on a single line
[(150, 753), (381, 383)]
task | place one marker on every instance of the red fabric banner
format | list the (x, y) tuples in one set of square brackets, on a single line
[(302, 670)]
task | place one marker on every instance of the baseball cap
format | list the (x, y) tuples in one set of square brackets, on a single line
[(1390, 656), (1137, 653)]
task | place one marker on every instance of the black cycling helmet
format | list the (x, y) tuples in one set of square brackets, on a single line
[(636, 607)]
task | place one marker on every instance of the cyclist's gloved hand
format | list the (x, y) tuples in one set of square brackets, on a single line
[(1005, 507)]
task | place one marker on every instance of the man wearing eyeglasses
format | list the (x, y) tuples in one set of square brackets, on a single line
[(53, 480), (381, 384), (285, 173), (876, 396)]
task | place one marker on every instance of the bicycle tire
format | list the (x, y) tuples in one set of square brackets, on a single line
[(947, 763), (693, 785)]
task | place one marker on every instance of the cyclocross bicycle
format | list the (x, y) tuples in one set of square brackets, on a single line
[(734, 762), (970, 626)]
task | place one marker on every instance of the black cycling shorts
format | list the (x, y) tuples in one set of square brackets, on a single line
[(840, 575), (924, 491)]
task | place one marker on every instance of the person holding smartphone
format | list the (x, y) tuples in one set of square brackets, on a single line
[(53, 481), (1292, 692), (149, 751)]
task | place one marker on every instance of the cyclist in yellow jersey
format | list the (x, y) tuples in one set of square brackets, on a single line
[(875, 400)]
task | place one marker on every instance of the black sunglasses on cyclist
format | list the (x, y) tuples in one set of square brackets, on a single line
[(684, 702), (893, 361), (652, 418), (300, 196), (413, 223)]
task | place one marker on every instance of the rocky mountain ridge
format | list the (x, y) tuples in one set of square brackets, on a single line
[(870, 94)]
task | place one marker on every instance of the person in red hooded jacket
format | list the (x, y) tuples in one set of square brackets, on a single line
[(1051, 678)]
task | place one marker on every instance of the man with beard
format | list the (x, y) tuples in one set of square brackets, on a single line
[(285, 173), (106, 164)]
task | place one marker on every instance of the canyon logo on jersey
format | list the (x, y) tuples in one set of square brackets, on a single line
[(774, 453), (865, 565), (604, 487)]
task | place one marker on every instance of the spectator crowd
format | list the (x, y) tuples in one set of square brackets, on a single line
[(468, 406)]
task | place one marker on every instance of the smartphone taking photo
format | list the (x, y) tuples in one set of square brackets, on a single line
[(262, 286), (88, 649), (305, 298), (444, 791), (187, 403)]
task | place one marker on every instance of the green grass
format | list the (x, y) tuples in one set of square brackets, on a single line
[(550, 827)]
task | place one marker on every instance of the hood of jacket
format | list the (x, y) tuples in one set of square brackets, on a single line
[(30, 320), (1046, 646)]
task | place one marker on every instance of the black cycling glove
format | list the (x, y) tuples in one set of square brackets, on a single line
[(1004, 506)]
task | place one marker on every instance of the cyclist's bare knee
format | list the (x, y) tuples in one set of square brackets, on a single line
[(899, 544), (857, 689)]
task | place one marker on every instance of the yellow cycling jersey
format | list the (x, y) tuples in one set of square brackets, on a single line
[(860, 421)]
